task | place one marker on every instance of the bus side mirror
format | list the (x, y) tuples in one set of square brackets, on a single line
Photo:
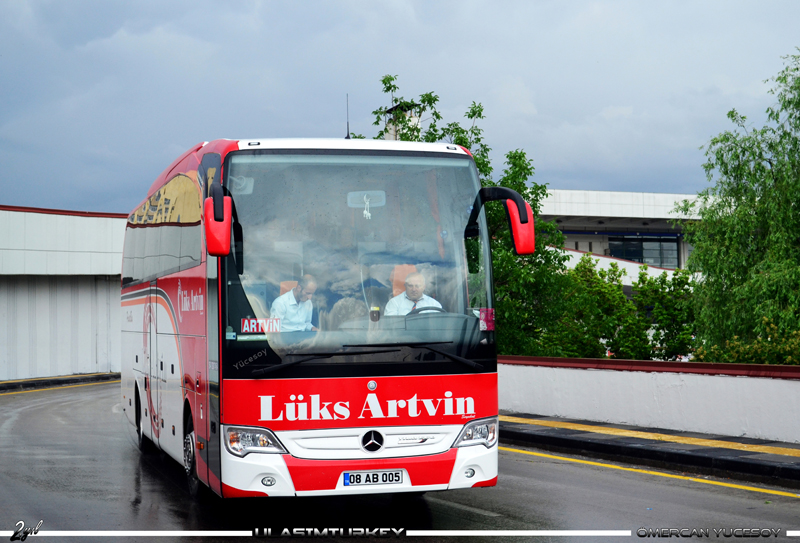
[(217, 211), (523, 235), (518, 211)]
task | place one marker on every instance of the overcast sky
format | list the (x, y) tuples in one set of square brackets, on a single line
[(99, 96)]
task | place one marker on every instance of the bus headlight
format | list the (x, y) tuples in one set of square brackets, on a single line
[(241, 441), (478, 432)]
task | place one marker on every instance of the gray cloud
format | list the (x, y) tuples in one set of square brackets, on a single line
[(99, 97)]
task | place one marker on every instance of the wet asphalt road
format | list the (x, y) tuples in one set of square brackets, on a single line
[(68, 458)]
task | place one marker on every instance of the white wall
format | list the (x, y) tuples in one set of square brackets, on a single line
[(597, 203), (59, 292), (58, 325), (60, 244), (753, 407)]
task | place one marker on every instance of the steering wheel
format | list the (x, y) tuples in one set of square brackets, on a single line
[(419, 310)]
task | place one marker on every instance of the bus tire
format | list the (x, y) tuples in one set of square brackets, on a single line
[(190, 464)]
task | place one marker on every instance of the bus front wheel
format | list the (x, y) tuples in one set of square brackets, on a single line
[(190, 464)]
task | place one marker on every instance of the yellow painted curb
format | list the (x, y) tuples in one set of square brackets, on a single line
[(783, 451), (59, 388)]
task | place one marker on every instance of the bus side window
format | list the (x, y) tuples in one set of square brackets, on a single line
[(176, 220), (169, 239), (170, 249), (152, 251), (190, 236)]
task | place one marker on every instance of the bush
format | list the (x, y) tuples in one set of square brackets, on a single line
[(596, 317), (775, 347)]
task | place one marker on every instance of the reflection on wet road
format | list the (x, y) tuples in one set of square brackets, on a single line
[(69, 458)]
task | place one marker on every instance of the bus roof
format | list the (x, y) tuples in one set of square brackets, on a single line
[(341, 143), (225, 146)]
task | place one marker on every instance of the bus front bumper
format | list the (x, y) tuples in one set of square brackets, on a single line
[(285, 475)]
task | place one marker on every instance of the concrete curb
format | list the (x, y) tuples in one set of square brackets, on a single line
[(712, 461), (52, 382)]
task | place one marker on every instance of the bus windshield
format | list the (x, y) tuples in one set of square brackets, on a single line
[(354, 262)]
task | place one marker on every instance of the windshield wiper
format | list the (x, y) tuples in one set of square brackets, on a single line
[(455, 358), (316, 356)]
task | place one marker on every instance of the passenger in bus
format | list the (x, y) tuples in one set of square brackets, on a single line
[(413, 298), (294, 308)]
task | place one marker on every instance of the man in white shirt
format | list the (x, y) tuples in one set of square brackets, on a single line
[(294, 307), (413, 298)]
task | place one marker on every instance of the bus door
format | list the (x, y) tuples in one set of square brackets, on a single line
[(153, 375), (202, 415)]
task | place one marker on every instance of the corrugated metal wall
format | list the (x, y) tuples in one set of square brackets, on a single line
[(58, 325)]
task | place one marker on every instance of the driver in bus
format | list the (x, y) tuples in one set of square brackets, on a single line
[(413, 298), (294, 308)]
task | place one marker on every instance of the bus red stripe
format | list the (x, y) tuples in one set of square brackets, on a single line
[(490, 482), (233, 492)]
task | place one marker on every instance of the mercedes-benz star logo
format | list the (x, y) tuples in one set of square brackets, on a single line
[(372, 441)]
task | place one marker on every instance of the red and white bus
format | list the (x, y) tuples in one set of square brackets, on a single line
[(353, 400)]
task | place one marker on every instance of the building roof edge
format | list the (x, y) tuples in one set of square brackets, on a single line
[(72, 213)]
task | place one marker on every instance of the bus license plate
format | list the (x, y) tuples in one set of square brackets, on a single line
[(356, 478)]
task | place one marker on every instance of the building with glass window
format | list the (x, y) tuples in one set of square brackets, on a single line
[(631, 226)]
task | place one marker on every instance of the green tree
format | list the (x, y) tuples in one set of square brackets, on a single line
[(670, 304), (597, 317), (747, 239), (527, 288)]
